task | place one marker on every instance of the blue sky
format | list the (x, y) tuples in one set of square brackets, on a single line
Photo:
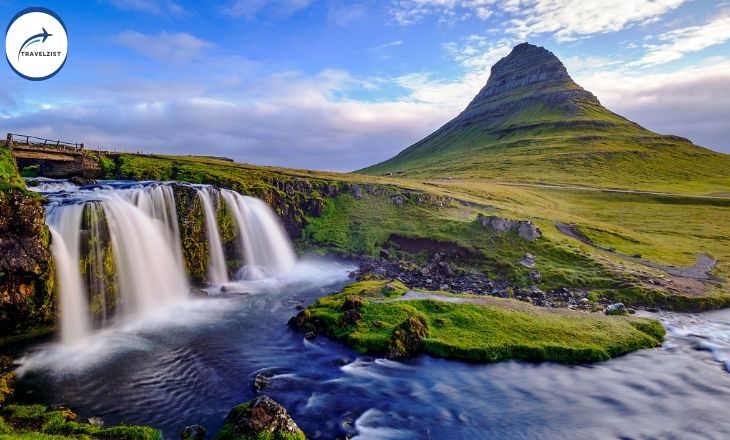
[(339, 85)]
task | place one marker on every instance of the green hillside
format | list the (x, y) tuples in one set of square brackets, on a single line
[(532, 123)]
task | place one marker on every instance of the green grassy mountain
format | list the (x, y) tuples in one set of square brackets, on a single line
[(532, 123)]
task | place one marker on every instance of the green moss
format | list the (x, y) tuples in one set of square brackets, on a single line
[(40, 422), (31, 171), (8, 170), (482, 332)]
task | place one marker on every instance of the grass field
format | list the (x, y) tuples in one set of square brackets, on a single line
[(665, 229)]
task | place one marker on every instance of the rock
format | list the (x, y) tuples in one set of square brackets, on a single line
[(384, 253), (528, 261), (351, 317), (425, 271), (262, 380), (398, 200), (616, 309), (95, 421), (259, 418), (407, 337), (81, 181), (535, 276), (525, 229), (26, 281), (198, 293), (356, 191), (193, 432), (444, 287)]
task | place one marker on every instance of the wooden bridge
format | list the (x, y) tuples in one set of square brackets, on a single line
[(54, 158)]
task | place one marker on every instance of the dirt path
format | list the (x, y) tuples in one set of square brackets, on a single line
[(611, 190), (701, 270)]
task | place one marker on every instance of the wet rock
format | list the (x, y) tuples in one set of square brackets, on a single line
[(199, 293), (384, 253), (193, 432), (262, 380), (82, 181), (616, 309), (259, 418)]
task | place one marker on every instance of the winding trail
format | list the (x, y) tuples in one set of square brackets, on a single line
[(701, 270)]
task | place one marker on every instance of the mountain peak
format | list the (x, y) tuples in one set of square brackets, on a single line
[(532, 122), (530, 69)]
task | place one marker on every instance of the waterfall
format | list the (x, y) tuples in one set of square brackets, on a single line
[(216, 261), (266, 248), (118, 249), (65, 236)]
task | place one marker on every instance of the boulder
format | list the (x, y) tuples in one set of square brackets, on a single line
[(528, 261), (407, 337), (616, 309), (193, 432), (525, 229), (259, 418)]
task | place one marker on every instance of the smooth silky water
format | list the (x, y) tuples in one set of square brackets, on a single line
[(190, 361)]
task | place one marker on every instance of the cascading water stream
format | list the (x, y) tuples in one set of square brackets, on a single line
[(266, 248), (118, 249), (216, 260)]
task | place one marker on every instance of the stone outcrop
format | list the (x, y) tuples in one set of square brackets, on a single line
[(407, 337), (259, 418), (525, 229), (26, 281)]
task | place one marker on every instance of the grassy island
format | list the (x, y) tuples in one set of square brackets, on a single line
[(382, 317)]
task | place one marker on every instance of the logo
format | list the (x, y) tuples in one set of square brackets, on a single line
[(36, 44)]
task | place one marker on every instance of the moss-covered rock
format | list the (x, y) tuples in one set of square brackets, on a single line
[(26, 278), (193, 238), (97, 263), (260, 419)]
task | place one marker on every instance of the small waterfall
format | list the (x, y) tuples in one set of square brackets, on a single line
[(118, 249), (146, 255), (266, 247), (76, 322), (216, 261)]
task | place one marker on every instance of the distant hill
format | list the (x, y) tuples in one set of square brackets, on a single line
[(532, 123)]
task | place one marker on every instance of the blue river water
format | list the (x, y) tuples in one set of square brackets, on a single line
[(192, 363)]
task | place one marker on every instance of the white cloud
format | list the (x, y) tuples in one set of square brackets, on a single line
[(691, 102), (165, 46), (155, 7), (249, 9), (407, 12), (678, 42), (568, 20)]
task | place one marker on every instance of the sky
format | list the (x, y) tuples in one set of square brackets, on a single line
[(340, 85)]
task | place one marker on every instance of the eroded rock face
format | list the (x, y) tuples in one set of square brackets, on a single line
[(259, 416), (525, 229), (26, 281)]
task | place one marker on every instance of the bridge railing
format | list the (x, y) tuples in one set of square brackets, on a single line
[(47, 144)]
